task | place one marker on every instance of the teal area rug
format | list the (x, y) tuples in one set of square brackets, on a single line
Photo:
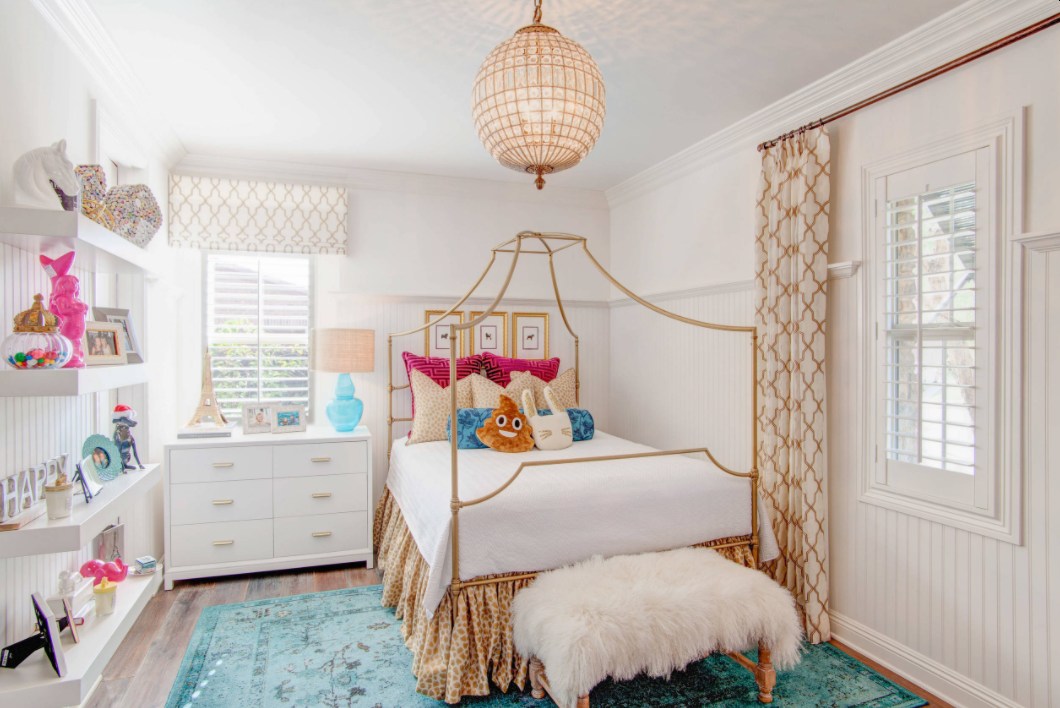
[(341, 648)]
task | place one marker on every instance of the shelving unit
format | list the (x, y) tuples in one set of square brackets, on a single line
[(98, 249), (70, 382), (35, 683), (44, 535)]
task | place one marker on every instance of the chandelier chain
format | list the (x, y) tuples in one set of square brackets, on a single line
[(537, 12)]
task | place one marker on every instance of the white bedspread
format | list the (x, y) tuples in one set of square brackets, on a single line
[(553, 516)]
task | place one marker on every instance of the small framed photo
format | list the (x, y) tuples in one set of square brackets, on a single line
[(257, 418), (133, 355), (490, 336), (436, 337), (288, 418), (103, 343), (530, 335)]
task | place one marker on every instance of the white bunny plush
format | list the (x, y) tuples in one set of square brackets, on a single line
[(551, 432)]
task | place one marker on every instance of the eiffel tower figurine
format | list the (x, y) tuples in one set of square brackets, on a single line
[(207, 400)]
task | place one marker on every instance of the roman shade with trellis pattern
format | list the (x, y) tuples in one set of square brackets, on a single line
[(219, 214)]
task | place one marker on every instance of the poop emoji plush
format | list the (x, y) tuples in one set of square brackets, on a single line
[(506, 430)]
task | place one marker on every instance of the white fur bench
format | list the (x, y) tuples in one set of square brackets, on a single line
[(652, 613)]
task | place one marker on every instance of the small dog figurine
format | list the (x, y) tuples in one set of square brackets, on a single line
[(124, 419)]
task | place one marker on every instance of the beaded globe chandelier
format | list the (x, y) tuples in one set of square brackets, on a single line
[(538, 101)]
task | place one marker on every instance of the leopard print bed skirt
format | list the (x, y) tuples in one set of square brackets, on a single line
[(468, 641)]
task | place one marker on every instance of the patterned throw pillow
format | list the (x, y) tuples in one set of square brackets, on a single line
[(437, 369), (468, 420), (563, 386), (431, 420), (498, 369)]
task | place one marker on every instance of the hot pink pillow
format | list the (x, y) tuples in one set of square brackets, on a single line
[(498, 369), (437, 368)]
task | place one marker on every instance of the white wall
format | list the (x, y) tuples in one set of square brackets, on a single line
[(971, 618), (47, 95)]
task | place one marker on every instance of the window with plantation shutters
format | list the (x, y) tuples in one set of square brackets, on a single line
[(933, 353), (257, 319)]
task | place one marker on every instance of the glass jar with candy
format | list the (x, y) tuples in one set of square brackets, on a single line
[(36, 342)]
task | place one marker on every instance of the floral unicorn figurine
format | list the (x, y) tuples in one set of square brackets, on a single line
[(66, 303)]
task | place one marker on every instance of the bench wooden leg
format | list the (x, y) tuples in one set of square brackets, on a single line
[(537, 670), (539, 683), (765, 675)]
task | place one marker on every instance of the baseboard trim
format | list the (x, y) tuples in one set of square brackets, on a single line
[(924, 671)]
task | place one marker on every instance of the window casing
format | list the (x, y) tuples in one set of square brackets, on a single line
[(257, 317)]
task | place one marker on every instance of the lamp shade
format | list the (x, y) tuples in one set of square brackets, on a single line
[(344, 350)]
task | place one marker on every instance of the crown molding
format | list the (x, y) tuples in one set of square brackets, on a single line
[(124, 93), (951, 35), (383, 180)]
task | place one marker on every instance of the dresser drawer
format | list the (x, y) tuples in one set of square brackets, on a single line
[(320, 494), (217, 464), (210, 502), (312, 459), (226, 542), (323, 533)]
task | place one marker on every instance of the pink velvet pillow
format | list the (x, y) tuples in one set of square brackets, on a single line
[(498, 369), (436, 368)]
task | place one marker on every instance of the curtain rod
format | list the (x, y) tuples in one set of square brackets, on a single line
[(916, 80)]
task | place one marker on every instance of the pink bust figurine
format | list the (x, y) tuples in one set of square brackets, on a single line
[(66, 303)]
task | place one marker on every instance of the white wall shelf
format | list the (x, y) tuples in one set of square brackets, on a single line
[(51, 231), (69, 382), (73, 533), (34, 683)]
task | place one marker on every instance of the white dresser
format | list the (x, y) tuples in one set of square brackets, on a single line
[(253, 503)]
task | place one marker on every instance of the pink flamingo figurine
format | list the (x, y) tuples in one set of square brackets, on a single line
[(66, 303)]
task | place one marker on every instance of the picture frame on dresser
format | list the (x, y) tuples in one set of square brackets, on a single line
[(267, 502)]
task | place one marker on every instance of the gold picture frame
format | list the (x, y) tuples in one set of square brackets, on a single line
[(435, 336), (103, 343), (490, 336), (530, 335)]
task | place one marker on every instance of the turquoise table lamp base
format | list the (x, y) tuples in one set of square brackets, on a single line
[(346, 410)]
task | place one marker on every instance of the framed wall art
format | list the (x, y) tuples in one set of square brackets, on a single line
[(530, 335), (490, 336), (103, 343), (436, 337), (133, 354)]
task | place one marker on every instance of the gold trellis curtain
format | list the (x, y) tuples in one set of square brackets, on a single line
[(791, 282), (219, 214)]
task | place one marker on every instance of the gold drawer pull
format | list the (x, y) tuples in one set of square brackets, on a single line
[(224, 464), (322, 495), (320, 459), (222, 502), (223, 543), (321, 534)]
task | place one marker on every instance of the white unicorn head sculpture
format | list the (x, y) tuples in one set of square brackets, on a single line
[(37, 169)]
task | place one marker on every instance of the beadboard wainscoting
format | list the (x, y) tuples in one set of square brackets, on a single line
[(971, 618), (674, 385), (590, 320), (35, 429)]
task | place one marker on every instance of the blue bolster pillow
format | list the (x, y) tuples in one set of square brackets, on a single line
[(468, 420)]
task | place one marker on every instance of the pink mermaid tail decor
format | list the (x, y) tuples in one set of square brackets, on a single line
[(65, 302)]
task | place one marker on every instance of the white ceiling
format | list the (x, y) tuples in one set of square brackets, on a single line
[(385, 84)]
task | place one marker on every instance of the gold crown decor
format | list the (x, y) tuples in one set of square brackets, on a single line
[(36, 318), (538, 101)]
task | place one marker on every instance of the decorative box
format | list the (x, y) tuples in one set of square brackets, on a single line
[(137, 216)]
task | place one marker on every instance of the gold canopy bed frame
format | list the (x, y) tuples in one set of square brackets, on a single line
[(744, 548)]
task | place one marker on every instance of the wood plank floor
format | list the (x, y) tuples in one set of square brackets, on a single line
[(143, 669)]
